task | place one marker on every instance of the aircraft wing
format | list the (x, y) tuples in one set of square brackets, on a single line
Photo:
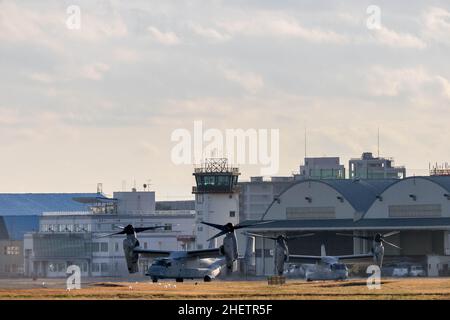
[(356, 257), (152, 253), (205, 253), (304, 259), (313, 259)]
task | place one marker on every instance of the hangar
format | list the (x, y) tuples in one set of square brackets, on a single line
[(418, 207)]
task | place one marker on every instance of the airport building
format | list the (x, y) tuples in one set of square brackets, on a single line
[(256, 195), (418, 207), (20, 213), (216, 199), (321, 168), (83, 238), (369, 167)]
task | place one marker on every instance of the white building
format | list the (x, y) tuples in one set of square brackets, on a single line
[(216, 199), (256, 195), (322, 168), (66, 238), (369, 167)]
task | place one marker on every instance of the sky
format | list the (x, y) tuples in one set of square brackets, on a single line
[(99, 103)]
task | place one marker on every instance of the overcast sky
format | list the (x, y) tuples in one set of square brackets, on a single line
[(99, 104)]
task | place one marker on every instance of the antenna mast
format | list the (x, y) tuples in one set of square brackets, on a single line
[(378, 142), (305, 142)]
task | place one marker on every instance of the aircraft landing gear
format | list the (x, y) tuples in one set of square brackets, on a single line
[(154, 279), (179, 279)]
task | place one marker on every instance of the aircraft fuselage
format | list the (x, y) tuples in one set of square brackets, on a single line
[(334, 271), (166, 268)]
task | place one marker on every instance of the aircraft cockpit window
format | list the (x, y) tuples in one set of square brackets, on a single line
[(162, 263)]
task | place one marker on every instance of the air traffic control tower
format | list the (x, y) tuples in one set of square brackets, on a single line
[(216, 199)]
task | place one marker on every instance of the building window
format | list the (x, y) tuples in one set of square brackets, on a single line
[(104, 267), (95, 267), (232, 214), (200, 228), (95, 247), (116, 246), (199, 198), (104, 247), (12, 250), (61, 267), (145, 245)]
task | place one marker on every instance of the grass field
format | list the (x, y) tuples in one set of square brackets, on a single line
[(412, 288)]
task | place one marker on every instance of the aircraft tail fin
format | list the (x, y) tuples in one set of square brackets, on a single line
[(323, 253)]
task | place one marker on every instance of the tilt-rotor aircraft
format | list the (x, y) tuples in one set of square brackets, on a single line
[(326, 267), (281, 249), (203, 264)]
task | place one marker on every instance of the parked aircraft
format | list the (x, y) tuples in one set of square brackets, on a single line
[(281, 254), (325, 267), (203, 264)]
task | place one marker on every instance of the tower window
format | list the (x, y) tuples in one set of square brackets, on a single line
[(232, 214)]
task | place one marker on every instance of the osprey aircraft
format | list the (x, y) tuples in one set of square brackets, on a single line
[(281, 254), (326, 267), (377, 244), (203, 264)]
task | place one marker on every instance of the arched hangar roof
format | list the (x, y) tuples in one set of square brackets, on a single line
[(442, 181), (359, 193)]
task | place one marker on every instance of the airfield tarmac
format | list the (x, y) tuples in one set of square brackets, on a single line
[(391, 288)]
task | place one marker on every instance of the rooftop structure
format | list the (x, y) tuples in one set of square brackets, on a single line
[(215, 176), (322, 168), (370, 167)]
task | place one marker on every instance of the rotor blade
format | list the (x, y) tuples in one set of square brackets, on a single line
[(142, 229), (217, 226), (391, 244), (110, 234), (354, 236), (221, 233), (390, 234), (300, 236), (240, 226), (260, 236)]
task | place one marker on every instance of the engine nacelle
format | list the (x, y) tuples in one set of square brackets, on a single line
[(229, 250), (378, 254), (131, 257)]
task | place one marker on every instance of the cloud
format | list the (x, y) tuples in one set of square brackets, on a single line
[(267, 24), (42, 77), (166, 38), (395, 39), (210, 33), (416, 84), (445, 83), (437, 25), (126, 55), (251, 82), (9, 117), (392, 82), (94, 71)]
